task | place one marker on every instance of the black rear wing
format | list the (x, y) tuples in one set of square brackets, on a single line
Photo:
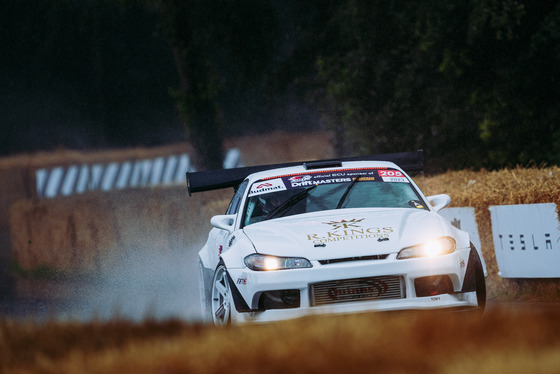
[(200, 181)]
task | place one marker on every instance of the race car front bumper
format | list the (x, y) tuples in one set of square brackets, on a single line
[(379, 285)]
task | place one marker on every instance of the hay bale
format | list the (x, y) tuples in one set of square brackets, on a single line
[(89, 233), (63, 234)]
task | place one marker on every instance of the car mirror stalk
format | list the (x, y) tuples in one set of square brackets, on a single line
[(439, 201), (223, 222)]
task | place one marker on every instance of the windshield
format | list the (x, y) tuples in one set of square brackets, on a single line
[(311, 192)]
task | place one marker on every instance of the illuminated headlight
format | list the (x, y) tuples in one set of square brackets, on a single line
[(260, 262), (437, 247)]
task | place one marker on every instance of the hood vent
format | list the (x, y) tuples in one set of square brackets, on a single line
[(349, 259)]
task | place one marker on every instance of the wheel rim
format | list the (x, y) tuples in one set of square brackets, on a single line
[(220, 298)]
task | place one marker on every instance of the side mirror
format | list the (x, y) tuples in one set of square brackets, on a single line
[(439, 201), (224, 222)]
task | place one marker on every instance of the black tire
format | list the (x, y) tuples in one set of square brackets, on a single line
[(205, 279), (474, 279)]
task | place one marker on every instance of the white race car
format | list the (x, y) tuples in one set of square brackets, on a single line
[(336, 236)]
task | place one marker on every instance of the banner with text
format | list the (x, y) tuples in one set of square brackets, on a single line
[(526, 240)]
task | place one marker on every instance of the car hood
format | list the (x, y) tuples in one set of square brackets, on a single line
[(346, 233)]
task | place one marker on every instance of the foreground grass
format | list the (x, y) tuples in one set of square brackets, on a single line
[(503, 340)]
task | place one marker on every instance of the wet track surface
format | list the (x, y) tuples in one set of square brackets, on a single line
[(93, 303), (158, 287)]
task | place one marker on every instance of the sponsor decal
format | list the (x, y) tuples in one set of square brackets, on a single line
[(241, 281), (263, 185), (372, 289), (220, 249), (299, 178), (317, 181), (231, 241), (416, 204), (259, 188), (332, 177), (392, 176), (345, 224), (349, 230)]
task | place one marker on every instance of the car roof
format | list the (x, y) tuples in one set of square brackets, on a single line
[(302, 169), (217, 179)]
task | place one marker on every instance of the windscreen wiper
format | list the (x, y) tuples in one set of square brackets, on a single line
[(345, 194), (284, 206)]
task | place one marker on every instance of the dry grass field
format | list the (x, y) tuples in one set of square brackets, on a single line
[(84, 234), (503, 341)]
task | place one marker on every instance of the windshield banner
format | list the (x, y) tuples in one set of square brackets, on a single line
[(344, 176), (311, 179)]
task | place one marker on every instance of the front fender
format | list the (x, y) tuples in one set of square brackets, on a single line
[(240, 303), (238, 246), (204, 258)]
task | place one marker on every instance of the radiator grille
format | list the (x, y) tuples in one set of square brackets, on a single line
[(359, 289)]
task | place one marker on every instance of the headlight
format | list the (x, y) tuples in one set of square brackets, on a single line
[(437, 247), (260, 262)]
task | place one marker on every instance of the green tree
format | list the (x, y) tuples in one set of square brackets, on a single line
[(520, 95)]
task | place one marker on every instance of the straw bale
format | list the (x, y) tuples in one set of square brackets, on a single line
[(91, 232), (482, 189), (62, 235)]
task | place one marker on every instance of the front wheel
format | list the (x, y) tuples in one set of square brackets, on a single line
[(474, 279), (221, 297)]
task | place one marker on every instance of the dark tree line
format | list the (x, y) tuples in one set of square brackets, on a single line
[(83, 74), (473, 83)]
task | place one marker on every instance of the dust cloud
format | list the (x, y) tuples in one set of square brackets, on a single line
[(143, 284)]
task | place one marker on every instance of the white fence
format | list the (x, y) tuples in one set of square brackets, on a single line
[(77, 179)]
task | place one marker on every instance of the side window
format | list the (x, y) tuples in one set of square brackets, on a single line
[(236, 200)]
